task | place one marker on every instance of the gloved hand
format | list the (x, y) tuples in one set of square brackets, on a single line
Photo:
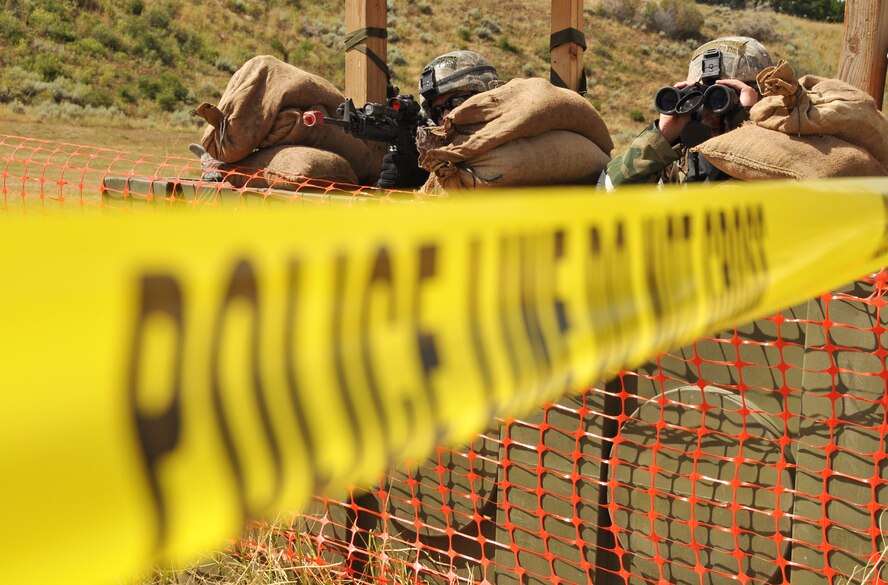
[(401, 170)]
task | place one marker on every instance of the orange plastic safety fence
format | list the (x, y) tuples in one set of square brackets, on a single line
[(48, 176), (754, 456)]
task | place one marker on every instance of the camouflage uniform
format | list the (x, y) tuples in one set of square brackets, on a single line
[(647, 160), (650, 158)]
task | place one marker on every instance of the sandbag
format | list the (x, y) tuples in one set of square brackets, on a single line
[(432, 186), (287, 167), (262, 106), (557, 157), (815, 105), (741, 153), (522, 108)]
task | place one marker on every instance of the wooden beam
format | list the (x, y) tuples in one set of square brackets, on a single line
[(864, 63), (364, 80), (567, 58)]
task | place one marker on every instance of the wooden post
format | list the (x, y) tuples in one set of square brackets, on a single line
[(364, 80), (567, 44), (863, 63), (366, 75)]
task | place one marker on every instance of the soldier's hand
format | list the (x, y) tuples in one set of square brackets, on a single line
[(671, 126), (401, 170), (748, 95)]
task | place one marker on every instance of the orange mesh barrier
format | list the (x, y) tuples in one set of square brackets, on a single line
[(41, 175), (753, 456)]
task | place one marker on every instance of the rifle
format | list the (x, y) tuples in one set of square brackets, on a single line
[(394, 122)]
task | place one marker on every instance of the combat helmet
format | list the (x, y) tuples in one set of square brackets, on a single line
[(455, 71), (743, 58)]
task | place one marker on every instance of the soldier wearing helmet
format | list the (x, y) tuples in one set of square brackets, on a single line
[(452, 78), (660, 152), (445, 83)]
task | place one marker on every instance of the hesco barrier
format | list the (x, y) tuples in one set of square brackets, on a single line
[(755, 455)]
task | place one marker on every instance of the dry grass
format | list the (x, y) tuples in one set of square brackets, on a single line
[(127, 134), (276, 554)]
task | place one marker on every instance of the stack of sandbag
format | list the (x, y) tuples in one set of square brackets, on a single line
[(258, 128), (526, 132), (805, 128)]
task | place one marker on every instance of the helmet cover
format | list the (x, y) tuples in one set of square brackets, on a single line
[(743, 58)]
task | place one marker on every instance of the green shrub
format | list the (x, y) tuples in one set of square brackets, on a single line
[(278, 47), (677, 19), (90, 46), (135, 7), (492, 25), (620, 10), (223, 64), (396, 58), (757, 24), (504, 44), (52, 25), (11, 29), (109, 39), (171, 83), (464, 33), (484, 33), (149, 87), (49, 66), (98, 98), (636, 115), (301, 52), (16, 84), (153, 45), (128, 94), (158, 17)]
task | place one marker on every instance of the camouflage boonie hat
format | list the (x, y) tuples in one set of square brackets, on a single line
[(743, 58), (456, 71)]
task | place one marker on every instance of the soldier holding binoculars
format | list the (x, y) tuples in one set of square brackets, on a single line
[(714, 99)]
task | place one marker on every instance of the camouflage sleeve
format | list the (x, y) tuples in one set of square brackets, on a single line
[(642, 162)]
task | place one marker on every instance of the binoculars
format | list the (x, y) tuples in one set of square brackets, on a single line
[(719, 99)]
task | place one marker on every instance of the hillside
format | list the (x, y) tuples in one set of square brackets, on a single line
[(136, 64)]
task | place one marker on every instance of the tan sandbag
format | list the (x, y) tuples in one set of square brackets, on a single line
[(741, 153), (287, 168), (521, 108), (557, 157), (432, 186), (262, 107), (816, 105)]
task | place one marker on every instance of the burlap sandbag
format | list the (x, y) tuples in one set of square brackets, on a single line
[(287, 167), (752, 152), (522, 108), (262, 107), (432, 186), (557, 157), (816, 105)]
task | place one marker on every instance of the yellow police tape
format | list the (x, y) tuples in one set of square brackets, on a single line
[(168, 376)]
